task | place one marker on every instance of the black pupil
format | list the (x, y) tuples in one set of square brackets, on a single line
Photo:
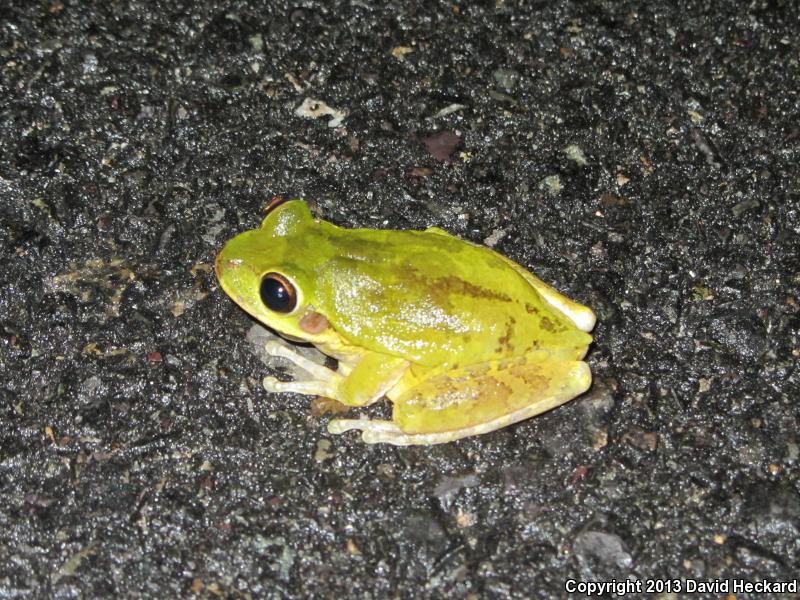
[(275, 295)]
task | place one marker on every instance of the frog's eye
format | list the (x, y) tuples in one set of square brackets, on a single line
[(278, 293)]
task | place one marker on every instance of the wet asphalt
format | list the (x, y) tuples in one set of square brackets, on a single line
[(640, 157)]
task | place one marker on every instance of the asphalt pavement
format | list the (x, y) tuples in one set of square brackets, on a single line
[(640, 157)]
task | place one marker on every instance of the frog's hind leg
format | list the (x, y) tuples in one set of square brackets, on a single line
[(475, 400), (386, 432), (367, 426)]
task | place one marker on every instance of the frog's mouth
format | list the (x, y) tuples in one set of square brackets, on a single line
[(291, 338)]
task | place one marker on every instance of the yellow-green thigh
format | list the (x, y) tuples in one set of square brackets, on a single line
[(484, 393)]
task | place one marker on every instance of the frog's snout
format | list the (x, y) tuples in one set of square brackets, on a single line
[(218, 263), (223, 263)]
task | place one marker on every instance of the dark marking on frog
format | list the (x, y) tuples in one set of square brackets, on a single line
[(440, 289), (531, 376), (548, 325), (533, 346), (504, 345)]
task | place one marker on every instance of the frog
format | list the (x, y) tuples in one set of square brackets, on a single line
[(459, 338)]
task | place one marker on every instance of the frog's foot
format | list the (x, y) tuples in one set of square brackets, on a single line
[(374, 432), (387, 432), (337, 426), (323, 380)]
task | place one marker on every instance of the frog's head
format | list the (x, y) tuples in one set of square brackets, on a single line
[(269, 271)]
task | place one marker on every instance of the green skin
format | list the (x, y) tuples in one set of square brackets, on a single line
[(460, 338)]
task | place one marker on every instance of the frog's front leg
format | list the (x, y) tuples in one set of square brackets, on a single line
[(322, 380), (365, 382)]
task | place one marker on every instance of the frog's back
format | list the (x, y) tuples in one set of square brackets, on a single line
[(429, 297)]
